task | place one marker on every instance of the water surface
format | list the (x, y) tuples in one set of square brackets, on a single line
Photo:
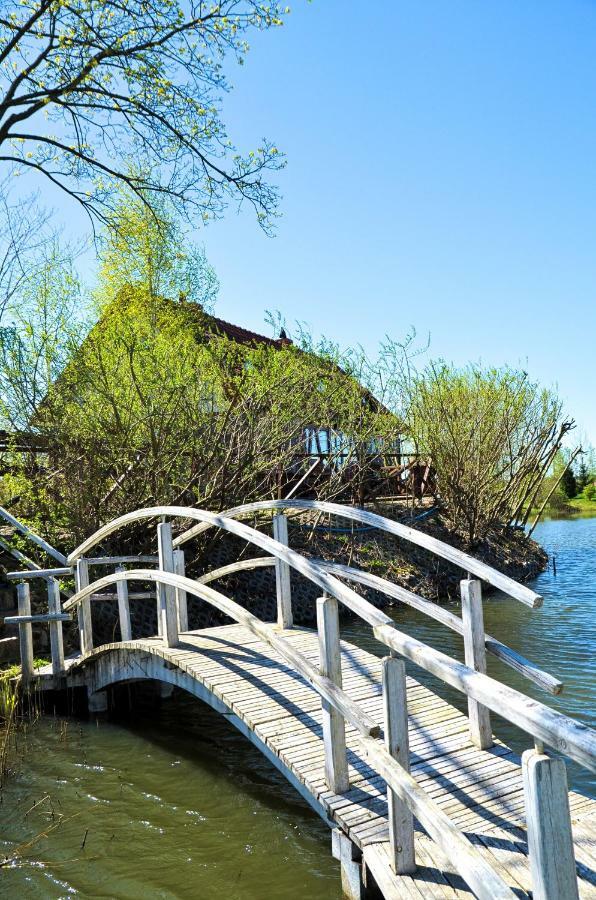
[(177, 804)]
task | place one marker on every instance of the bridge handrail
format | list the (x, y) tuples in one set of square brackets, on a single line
[(571, 738), (30, 574), (32, 536), (486, 883), (463, 560), (334, 695), (501, 651)]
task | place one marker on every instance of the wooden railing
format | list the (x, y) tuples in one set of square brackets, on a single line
[(544, 776)]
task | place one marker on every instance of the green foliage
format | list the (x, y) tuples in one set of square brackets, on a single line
[(147, 247), (157, 406), (46, 319), (590, 491), (491, 434), (88, 84), (569, 484)]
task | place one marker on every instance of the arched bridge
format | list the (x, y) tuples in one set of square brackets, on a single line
[(422, 800)]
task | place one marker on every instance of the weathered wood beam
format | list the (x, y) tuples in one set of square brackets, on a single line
[(336, 696), (463, 560), (32, 536)]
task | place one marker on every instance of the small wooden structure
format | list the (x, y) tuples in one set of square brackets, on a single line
[(420, 798)]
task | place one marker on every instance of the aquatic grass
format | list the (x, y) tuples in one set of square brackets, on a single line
[(10, 695)]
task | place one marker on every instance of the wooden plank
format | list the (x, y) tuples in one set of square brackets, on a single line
[(25, 631), (84, 608), (30, 574), (32, 536), (121, 560), (241, 565), (40, 618), (401, 822), (123, 608), (446, 551), (473, 622), (166, 593), (334, 733), (282, 575), (550, 840), (562, 733), (181, 601), (436, 611)]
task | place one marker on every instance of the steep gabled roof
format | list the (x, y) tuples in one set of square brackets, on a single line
[(243, 335), (219, 327)]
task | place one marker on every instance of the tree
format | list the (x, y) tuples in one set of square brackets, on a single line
[(86, 85), (23, 234), (569, 484), (492, 435), (155, 408), (147, 247), (47, 320), (583, 474)]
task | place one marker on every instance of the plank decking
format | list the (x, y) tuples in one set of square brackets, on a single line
[(480, 790)]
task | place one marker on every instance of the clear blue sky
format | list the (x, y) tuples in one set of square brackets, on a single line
[(441, 174)]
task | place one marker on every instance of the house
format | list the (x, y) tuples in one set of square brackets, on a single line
[(341, 442)]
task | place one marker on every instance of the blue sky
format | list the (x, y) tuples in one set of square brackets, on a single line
[(441, 174)]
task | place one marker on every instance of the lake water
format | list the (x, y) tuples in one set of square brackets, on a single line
[(149, 808)]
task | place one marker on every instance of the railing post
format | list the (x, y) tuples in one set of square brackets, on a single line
[(84, 608), (25, 632), (166, 594), (56, 641), (475, 656), (282, 575), (548, 820), (350, 860), (123, 608), (181, 602), (334, 732), (401, 821)]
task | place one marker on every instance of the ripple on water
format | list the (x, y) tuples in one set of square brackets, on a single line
[(212, 819)]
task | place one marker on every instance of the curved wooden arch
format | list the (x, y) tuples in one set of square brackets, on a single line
[(324, 686), (564, 734), (510, 657), (463, 560), (302, 564), (142, 665)]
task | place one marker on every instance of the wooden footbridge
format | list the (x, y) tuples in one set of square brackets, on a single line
[(422, 801)]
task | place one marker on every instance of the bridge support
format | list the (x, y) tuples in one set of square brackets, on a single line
[(56, 638), (550, 838), (84, 608), (475, 656), (97, 701), (334, 729), (282, 575), (181, 601), (401, 820), (123, 608), (25, 632), (166, 594), (350, 860)]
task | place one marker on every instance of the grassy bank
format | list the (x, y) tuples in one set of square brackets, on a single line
[(564, 508), (584, 506)]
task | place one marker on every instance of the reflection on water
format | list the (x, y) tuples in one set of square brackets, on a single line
[(176, 804)]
